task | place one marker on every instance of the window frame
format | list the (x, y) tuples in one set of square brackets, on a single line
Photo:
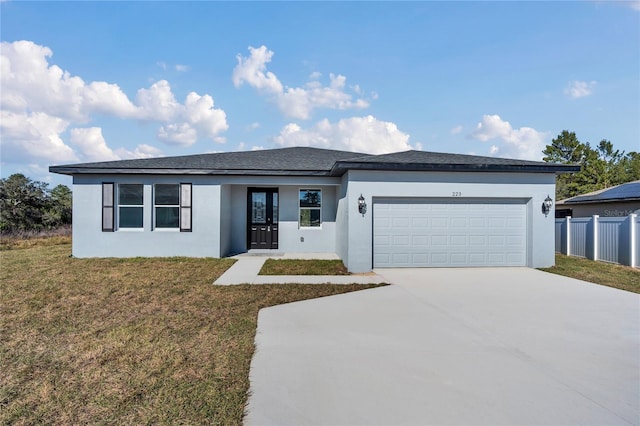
[(119, 206), (185, 208), (157, 206), (301, 208)]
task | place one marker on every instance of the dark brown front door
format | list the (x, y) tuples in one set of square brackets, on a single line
[(262, 215)]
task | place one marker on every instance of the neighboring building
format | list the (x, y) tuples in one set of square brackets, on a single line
[(403, 209), (617, 201)]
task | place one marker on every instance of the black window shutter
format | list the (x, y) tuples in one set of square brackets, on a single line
[(108, 201), (185, 207)]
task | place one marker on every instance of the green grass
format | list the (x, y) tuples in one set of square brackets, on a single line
[(612, 275), (127, 341), (303, 267)]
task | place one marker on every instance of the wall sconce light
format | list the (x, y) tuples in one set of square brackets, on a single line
[(362, 205), (546, 205)]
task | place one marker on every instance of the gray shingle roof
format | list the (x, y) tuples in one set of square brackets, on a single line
[(283, 161), (629, 191), (438, 161), (301, 161)]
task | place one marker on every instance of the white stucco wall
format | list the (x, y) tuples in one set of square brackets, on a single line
[(533, 187), (342, 220), (90, 241), (219, 224), (220, 213), (294, 239), (225, 220)]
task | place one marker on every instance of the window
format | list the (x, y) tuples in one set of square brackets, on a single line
[(310, 208), (167, 205), (172, 206), (130, 210)]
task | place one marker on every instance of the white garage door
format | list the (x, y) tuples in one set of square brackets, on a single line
[(447, 233)]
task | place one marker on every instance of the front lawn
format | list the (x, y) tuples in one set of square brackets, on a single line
[(609, 274), (127, 341), (303, 267)]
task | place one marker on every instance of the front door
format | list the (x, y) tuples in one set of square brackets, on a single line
[(262, 215)]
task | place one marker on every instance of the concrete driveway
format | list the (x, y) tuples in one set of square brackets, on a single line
[(492, 346)]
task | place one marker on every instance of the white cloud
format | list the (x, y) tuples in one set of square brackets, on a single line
[(360, 134), (157, 102), (633, 4), (523, 143), (35, 136), (243, 147), (29, 83), (456, 130), (93, 147), (199, 111), (185, 122), (579, 89), (141, 151), (252, 71), (178, 134), (294, 102), (182, 68), (104, 98), (46, 100)]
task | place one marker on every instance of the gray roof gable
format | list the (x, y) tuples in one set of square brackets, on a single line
[(307, 161)]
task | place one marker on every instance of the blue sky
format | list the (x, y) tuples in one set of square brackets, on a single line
[(94, 81)]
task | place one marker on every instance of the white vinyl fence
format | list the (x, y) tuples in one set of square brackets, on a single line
[(610, 239)]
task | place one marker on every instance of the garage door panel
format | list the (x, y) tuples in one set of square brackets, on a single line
[(425, 233), (459, 240), (459, 222), (439, 259), (497, 258), (420, 259), (401, 258), (497, 241), (459, 258), (420, 240), (477, 222), (419, 222)]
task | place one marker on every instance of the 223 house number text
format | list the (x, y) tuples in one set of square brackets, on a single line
[(456, 194)]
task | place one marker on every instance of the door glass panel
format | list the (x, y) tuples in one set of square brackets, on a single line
[(259, 207), (275, 207)]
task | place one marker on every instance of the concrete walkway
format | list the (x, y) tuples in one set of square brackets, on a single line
[(247, 267), (493, 346)]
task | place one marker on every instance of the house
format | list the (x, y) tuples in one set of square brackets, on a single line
[(404, 209), (617, 201)]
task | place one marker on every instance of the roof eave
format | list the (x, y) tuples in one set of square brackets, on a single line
[(342, 166), (607, 200), (206, 172)]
